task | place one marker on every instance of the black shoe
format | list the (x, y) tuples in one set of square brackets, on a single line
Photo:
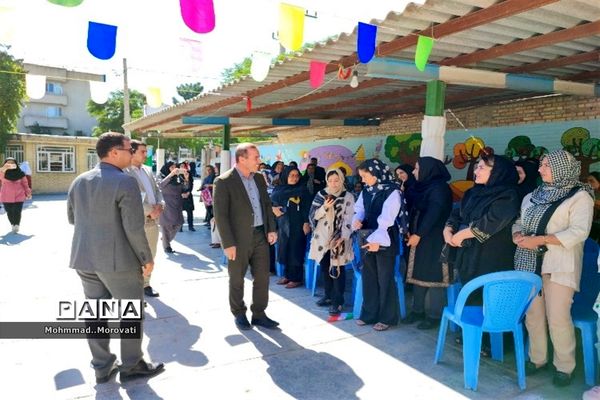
[(148, 291), (192, 229), (324, 301), (169, 250), (413, 317), (265, 322), (428, 323), (561, 379), (113, 371), (143, 369), (335, 310), (532, 369), (242, 322), (181, 229)]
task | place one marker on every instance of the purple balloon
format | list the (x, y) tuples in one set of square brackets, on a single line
[(198, 15)]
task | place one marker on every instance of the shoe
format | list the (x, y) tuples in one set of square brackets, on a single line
[(242, 322), (413, 317), (380, 327), (192, 229), (169, 250), (324, 301), (283, 281), (561, 379), (265, 322), (215, 245), (113, 371), (292, 285), (143, 369), (428, 323), (335, 310), (532, 369), (148, 291), (15, 228), (592, 394)]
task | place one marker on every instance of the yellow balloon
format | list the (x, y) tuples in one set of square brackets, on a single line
[(291, 26)]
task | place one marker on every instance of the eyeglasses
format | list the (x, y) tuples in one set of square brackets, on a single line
[(130, 150)]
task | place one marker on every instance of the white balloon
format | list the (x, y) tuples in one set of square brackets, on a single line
[(99, 92), (35, 86), (261, 63)]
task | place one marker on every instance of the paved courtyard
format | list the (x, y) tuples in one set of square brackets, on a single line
[(190, 329)]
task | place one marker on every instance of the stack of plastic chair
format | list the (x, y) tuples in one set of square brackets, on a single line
[(279, 268), (584, 317), (309, 266), (506, 298), (224, 259), (452, 294)]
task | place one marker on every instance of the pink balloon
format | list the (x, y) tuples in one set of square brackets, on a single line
[(198, 15), (317, 73)]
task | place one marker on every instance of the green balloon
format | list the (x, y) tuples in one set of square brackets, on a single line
[(424, 46), (66, 3)]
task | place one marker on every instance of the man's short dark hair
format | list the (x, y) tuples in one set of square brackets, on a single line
[(109, 140), (137, 143), (242, 150), (314, 158)]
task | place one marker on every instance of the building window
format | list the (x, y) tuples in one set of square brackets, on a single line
[(55, 159), (15, 151), (53, 112), (54, 88), (92, 158)]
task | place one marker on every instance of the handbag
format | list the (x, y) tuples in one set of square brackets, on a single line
[(206, 196)]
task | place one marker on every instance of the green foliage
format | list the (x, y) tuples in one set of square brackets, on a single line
[(110, 115), (403, 148), (519, 146), (572, 139), (189, 90), (238, 71), (12, 94)]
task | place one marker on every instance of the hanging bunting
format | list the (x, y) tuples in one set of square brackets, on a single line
[(424, 46), (153, 97), (35, 86), (193, 48), (317, 73), (261, 64), (198, 15), (291, 26), (365, 42), (66, 3), (344, 74), (248, 104), (7, 24), (99, 92), (102, 40)]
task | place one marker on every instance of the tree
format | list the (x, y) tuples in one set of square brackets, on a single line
[(468, 153), (586, 149), (110, 115), (403, 148), (189, 90), (521, 147), (238, 71), (12, 94)]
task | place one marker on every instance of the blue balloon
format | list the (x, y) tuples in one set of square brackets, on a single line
[(366, 42), (102, 40)]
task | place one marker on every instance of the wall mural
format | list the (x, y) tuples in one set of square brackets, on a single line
[(463, 148)]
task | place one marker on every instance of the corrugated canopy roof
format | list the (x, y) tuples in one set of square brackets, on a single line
[(560, 39)]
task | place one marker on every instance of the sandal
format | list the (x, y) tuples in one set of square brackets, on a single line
[(291, 285), (360, 322), (283, 281), (381, 327)]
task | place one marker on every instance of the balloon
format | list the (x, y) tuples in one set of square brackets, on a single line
[(198, 15), (365, 42), (424, 46), (35, 86), (66, 3), (102, 40)]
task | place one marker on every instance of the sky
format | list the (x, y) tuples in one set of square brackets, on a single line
[(150, 34)]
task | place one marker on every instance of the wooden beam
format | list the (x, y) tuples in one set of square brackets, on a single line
[(557, 62), (563, 35), (584, 76)]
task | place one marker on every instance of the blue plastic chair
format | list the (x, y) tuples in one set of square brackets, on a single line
[(279, 268), (584, 317), (224, 260), (506, 298), (358, 292)]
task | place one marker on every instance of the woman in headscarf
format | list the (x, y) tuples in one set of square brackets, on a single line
[(188, 198), (276, 170), (14, 190), (528, 176), (555, 221), (206, 196), (291, 204), (405, 177), (593, 180), (331, 246), (480, 228), (173, 184), (375, 216), (431, 209)]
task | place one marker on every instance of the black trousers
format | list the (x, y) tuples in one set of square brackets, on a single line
[(380, 296), (209, 213), (334, 288), (437, 300), (190, 218), (13, 211)]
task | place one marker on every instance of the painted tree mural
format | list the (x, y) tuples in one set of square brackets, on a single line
[(586, 149), (522, 148), (403, 149), (467, 154)]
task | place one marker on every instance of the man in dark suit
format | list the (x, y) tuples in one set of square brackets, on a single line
[(245, 220), (109, 251)]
